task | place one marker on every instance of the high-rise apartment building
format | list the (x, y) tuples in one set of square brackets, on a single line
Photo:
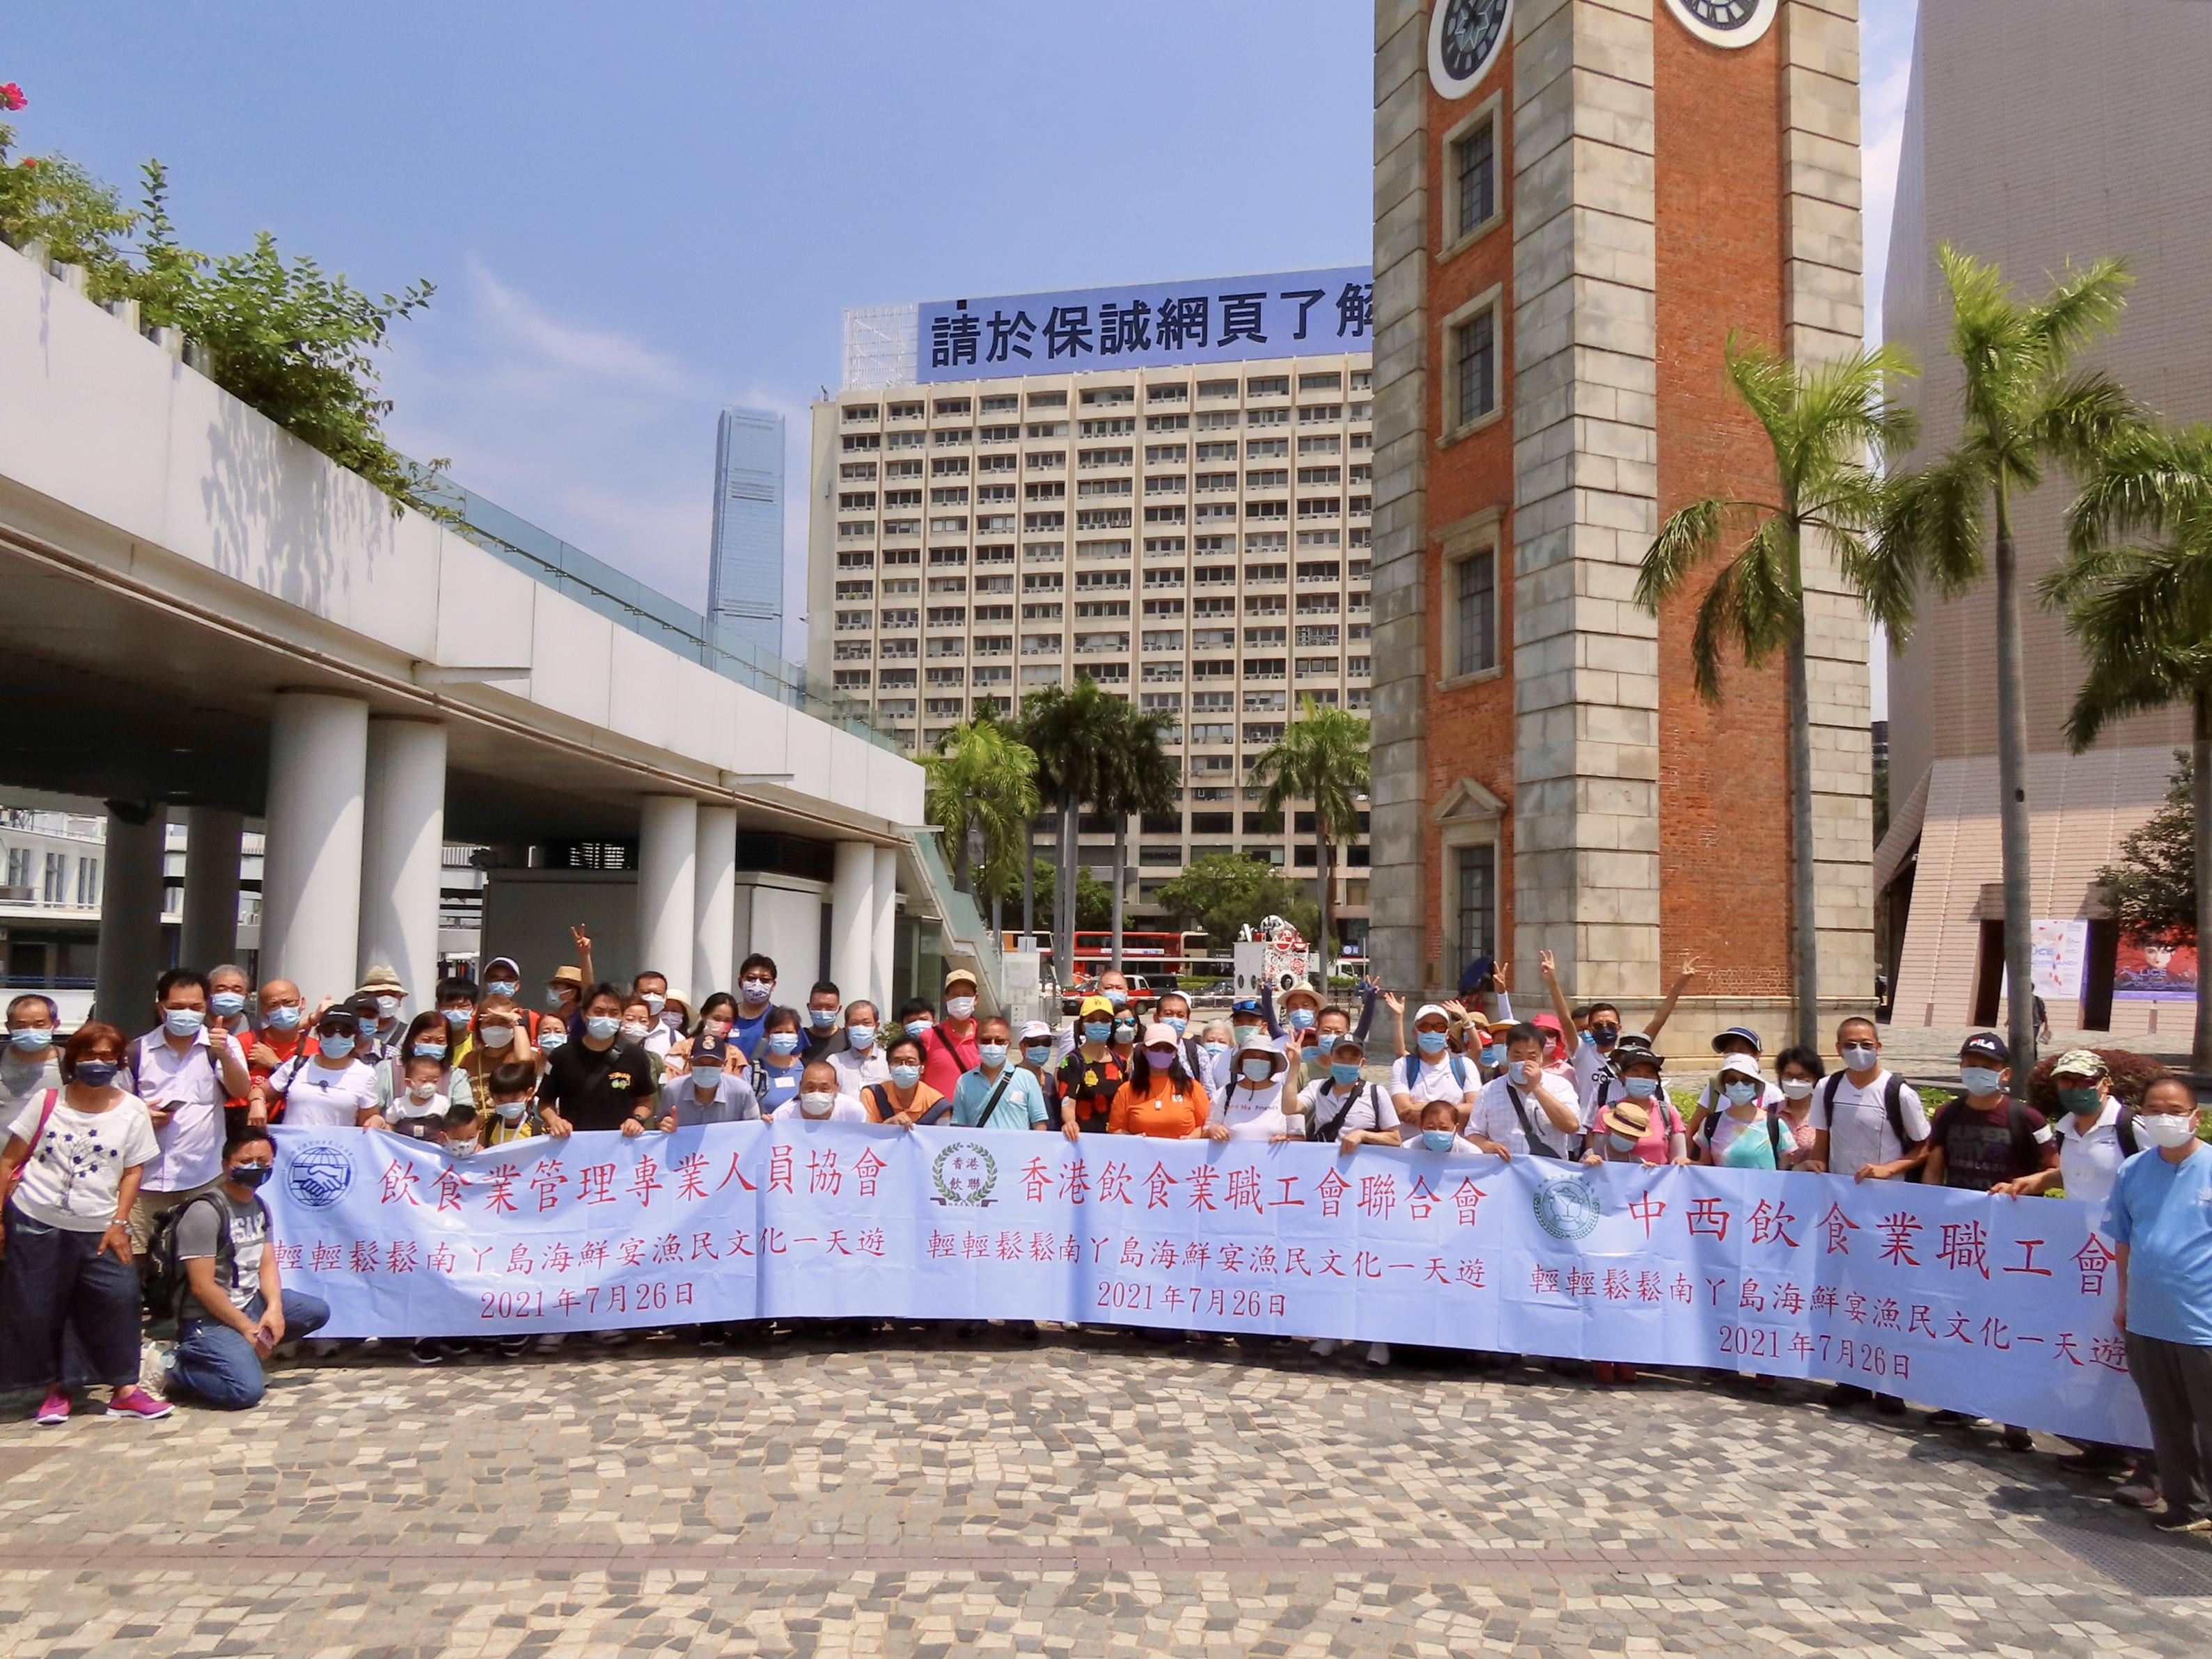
[(744, 582), (2033, 141), (1576, 202), (1164, 490)]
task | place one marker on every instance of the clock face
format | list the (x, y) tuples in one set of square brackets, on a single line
[(1726, 23), (1465, 37)]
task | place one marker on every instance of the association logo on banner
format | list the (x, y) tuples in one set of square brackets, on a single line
[(1566, 1210), (964, 1173), (318, 1176)]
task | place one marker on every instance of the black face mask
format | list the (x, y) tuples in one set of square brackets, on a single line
[(251, 1175), (1605, 1036)]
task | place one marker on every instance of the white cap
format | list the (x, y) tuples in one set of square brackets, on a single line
[(1742, 1065), (1035, 1031), (1429, 1008), (1259, 1043)]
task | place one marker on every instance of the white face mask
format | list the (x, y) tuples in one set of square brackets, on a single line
[(634, 1030), (757, 990), (422, 1090), (818, 1105), (959, 1007), (1861, 1056), (654, 1004), (2167, 1130), (496, 1036), (461, 1148), (1797, 1088)]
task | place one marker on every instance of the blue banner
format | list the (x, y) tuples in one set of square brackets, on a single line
[(1157, 325)]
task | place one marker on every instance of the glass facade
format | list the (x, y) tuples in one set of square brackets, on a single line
[(744, 582)]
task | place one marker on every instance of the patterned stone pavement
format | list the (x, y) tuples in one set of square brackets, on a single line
[(1094, 1494)]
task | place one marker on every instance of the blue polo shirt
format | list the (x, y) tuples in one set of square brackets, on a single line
[(2162, 1212), (1021, 1106)]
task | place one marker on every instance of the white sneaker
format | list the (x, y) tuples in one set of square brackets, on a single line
[(154, 1363), (1325, 1346), (1378, 1353)]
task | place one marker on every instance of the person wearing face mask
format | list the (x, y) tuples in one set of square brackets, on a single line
[(1035, 1041), (228, 989), (32, 1063), (2157, 1219), (998, 1094), (232, 1307), (755, 996), (2095, 1131), (498, 1038), (1341, 1106), (70, 1167), (564, 994), (1868, 1121), (777, 1063), (1303, 1017), (640, 1025), (1092, 1075), (1173, 1010), (456, 998), (903, 1098), (1215, 1043), (332, 1087), (1245, 1020), (825, 1035), (426, 1038), (419, 1101), (184, 1073), (858, 1051), (1745, 1133), (1260, 1073), (283, 1035), (817, 1100), (1524, 1111), (1798, 1073), (1742, 1040), (1598, 1031), (503, 976), (380, 1039), (700, 1088), (598, 1081), (649, 991), (1161, 1098), (951, 1046), (1643, 1126), (1432, 1071)]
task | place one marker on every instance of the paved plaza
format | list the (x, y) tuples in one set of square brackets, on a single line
[(1082, 1495)]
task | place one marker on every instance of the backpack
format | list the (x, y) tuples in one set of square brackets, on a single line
[(1409, 1070), (2123, 1130), (1376, 1103), (167, 1285), (1773, 1130), (1893, 1102)]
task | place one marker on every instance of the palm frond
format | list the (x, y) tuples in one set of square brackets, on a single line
[(2149, 479), (1934, 527), (1685, 541), (2083, 305), (2083, 415)]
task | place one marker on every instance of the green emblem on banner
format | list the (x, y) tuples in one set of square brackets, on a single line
[(964, 1173)]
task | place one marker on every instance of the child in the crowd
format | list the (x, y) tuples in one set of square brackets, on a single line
[(1643, 1126), (419, 1105), (464, 1135), (513, 1113)]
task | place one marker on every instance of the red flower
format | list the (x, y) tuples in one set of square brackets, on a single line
[(11, 96), (30, 161)]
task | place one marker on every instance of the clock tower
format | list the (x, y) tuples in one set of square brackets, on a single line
[(1576, 202)]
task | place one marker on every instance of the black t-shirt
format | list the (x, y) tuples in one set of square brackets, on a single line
[(1092, 1084), (1980, 1148), (597, 1089)]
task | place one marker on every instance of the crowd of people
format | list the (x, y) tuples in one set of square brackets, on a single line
[(133, 1164)]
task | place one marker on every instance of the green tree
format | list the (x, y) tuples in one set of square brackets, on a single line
[(1094, 900), (2025, 406), (1825, 425), (1139, 776), (1073, 735), (981, 783), (1225, 891), (1321, 759), (2137, 589)]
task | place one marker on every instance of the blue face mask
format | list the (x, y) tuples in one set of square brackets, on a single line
[(334, 1045), (502, 987), (1210, 1052), (919, 1028), (458, 1017), (1302, 1019), (1979, 1080), (227, 1003), (990, 1053), (603, 1026), (1493, 1054), (1258, 1070), (1437, 1140), (1432, 1043), (1037, 1052), (1641, 1087), (1119, 998), (860, 1037), (30, 1038), (1343, 1071), (428, 1051), (182, 1022), (1097, 1031), (820, 1019), (906, 1076), (783, 1042), (1177, 1023)]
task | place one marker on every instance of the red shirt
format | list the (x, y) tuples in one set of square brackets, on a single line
[(947, 1055)]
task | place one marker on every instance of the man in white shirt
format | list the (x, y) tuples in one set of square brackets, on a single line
[(1525, 1100), (1868, 1124), (1597, 1031), (184, 1076), (858, 1058), (817, 1100), (1432, 1072), (2096, 1134)]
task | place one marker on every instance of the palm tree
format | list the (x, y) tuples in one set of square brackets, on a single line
[(1073, 735), (1140, 776), (1827, 425), (2025, 405), (980, 784), (1322, 757), (2144, 616)]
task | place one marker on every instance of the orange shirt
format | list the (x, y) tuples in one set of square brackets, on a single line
[(1167, 1109), (881, 1107)]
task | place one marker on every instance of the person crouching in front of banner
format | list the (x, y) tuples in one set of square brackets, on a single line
[(71, 1168), (231, 1310), (819, 1101), (2161, 1223)]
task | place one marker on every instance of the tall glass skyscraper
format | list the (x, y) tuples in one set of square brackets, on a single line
[(744, 582)]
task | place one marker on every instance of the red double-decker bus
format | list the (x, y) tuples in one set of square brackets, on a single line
[(1141, 952)]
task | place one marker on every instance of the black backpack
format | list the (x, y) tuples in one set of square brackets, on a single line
[(2123, 1131), (1773, 1115), (166, 1284)]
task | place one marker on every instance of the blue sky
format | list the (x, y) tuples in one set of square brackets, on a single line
[(637, 213)]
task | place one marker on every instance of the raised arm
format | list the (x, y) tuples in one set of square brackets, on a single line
[(1267, 1008), (1560, 1006), (1368, 988), (1683, 975)]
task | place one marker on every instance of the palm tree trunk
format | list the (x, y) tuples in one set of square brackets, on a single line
[(1029, 876), (2012, 807), (1063, 904), (2200, 800), (1804, 931), (1120, 880), (1325, 884)]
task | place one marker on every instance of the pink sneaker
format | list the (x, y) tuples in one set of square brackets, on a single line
[(55, 1410), (135, 1401)]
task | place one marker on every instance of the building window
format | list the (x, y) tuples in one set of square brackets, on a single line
[(1474, 166), (1478, 903), (1474, 368), (1476, 613)]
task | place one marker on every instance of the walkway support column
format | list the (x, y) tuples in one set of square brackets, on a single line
[(403, 847), (127, 957), (852, 921), (882, 947), (213, 839), (714, 902), (667, 863), (311, 871)]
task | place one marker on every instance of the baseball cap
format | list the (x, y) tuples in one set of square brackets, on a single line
[(960, 976), (1097, 1005), (1988, 1045), (1035, 1031), (1245, 1005), (1429, 1010), (1741, 1065), (1161, 1035), (1348, 1040), (2080, 1062), (1742, 1032), (502, 961), (709, 1052), (339, 1018)]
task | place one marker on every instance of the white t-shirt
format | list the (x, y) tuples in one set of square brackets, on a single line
[(1433, 1079), (1494, 1118), (656, 1039), (190, 1088), (1858, 1123), (2089, 1159), (857, 1068), (847, 1110), (1221, 1073), (1590, 1065), (1248, 1101), (23, 1080), (318, 1097), (75, 1173), (1268, 1125)]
